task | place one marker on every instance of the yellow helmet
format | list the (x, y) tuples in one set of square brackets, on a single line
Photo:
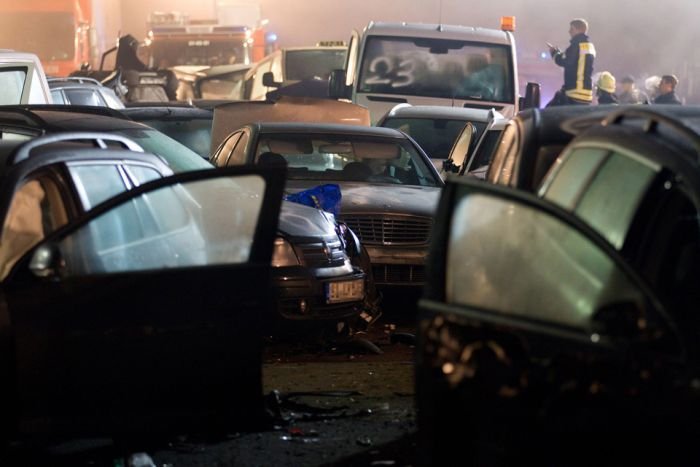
[(606, 82)]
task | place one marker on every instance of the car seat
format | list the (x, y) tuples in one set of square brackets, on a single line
[(356, 171)]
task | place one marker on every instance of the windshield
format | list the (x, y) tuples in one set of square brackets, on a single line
[(177, 156), (313, 64), (436, 136), (199, 51), (439, 68), (50, 35), (327, 157)]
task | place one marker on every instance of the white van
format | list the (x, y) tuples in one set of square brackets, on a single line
[(22, 79), (429, 64)]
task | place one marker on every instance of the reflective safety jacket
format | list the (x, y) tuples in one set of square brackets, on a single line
[(577, 61)]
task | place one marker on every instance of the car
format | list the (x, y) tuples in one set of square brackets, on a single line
[(77, 90), (560, 319), (534, 138), (389, 187), (100, 331), (22, 79), (210, 82), (435, 128), (293, 65), (318, 281)]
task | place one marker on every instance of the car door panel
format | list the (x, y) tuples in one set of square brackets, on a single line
[(532, 317), (143, 343)]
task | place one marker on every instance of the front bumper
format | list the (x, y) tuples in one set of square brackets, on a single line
[(300, 296)]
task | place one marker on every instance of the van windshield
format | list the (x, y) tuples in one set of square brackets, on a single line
[(446, 69)]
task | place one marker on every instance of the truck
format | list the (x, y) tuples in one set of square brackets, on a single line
[(430, 64), (65, 34), (173, 39)]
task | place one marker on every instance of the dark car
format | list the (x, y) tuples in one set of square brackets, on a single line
[(101, 332), (389, 187), (318, 280), (564, 330), (533, 139)]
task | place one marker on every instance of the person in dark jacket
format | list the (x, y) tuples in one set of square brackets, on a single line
[(605, 88), (127, 58), (667, 91), (577, 61)]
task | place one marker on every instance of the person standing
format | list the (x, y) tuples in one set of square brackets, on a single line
[(630, 94), (577, 61), (667, 91), (605, 88)]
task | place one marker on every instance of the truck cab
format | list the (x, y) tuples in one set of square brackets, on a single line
[(429, 64), (22, 79)]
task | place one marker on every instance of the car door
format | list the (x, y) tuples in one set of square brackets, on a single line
[(143, 315), (530, 314)]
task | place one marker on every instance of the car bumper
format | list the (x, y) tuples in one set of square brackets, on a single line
[(398, 266), (301, 296)]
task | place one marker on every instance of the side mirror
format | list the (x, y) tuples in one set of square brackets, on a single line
[(337, 89), (624, 320), (45, 262), (268, 80), (532, 96), (449, 166)]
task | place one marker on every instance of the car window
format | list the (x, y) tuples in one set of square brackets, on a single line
[(610, 201), (312, 64), (57, 97), (96, 183), (435, 135), (514, 259), (179, 157), (141, 174), (37, 209), (191, 224), (195, 133), (111, 99), (571, 174), (355, 158), (84, 97), (485, 149)]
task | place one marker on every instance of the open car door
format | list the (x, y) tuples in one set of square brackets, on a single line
[(525, 310), (144, 315)]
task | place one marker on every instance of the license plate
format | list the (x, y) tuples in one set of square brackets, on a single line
[(345, 291)]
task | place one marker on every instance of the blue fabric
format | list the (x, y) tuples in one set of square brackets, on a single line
[(325, 197)]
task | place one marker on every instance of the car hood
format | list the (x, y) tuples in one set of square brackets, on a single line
[(360, 198), (299, 221)]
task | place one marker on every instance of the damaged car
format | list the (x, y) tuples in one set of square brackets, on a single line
[(389, 186)]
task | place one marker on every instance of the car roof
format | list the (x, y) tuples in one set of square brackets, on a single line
[(439, 112), (66, 118), (355, 130), (438, 31), (167, 113), (74, 82)]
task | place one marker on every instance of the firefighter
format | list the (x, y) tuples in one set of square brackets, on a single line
[(605, 88), (577, 61)]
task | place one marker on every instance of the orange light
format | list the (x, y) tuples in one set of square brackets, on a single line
[(508, 23)]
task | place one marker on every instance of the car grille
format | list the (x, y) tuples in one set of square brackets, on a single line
[(322, 255), (387, 230), (398, 274)]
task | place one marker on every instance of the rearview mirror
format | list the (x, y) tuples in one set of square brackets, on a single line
[(268, 80), (337, 89)]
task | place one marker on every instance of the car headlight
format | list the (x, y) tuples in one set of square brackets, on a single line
[(283, 254)]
